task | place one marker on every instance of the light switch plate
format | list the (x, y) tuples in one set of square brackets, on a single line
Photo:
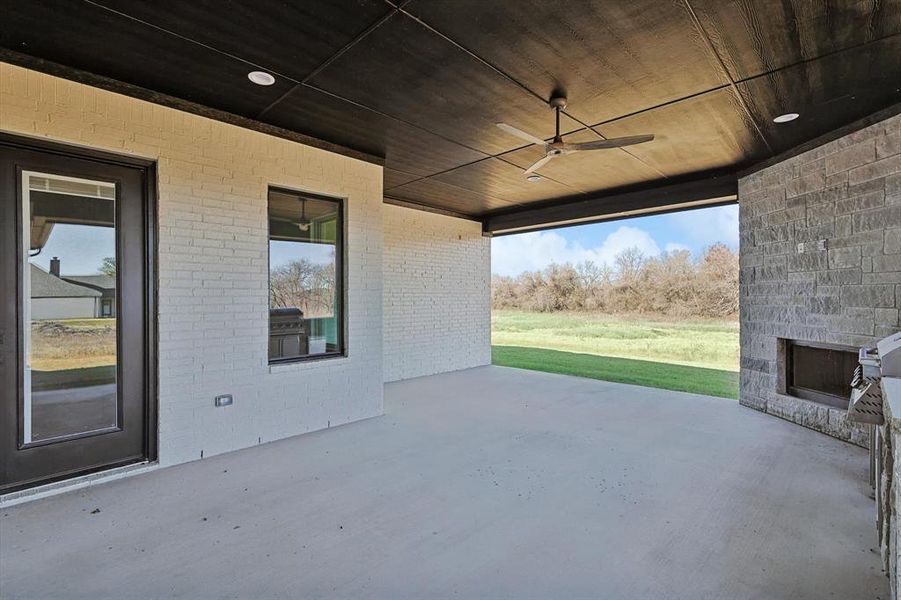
[(224, 400)]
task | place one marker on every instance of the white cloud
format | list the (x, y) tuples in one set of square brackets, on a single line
[(676, 247), (511, 255), (709, 226)]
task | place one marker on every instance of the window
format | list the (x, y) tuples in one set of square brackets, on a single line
[(306, 295)]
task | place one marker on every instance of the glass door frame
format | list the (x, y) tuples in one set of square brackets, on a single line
[(12, 342)]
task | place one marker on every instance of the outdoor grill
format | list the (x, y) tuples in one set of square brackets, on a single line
[(866, 393), (287, 335), (866, 405)]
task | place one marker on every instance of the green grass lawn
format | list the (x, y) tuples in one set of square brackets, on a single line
[(697, 356)]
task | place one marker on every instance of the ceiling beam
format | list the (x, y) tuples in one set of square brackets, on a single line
[(388, 199), (712, 190)]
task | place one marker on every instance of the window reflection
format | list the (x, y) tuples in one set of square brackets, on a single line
[(70, 307), (304, 276)]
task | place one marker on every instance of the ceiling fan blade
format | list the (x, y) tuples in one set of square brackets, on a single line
[(539, 164), (521, 134), (611, 143)]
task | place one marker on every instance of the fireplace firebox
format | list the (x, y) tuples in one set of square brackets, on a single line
[(819, 372)]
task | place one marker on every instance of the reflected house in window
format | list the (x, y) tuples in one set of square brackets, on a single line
[(63, 210), (105, 284), (55, 297)]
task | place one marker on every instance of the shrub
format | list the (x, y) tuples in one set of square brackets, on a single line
[(670, 284)]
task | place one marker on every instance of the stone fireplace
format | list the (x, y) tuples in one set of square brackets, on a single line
[(820, 272), (817, 372)]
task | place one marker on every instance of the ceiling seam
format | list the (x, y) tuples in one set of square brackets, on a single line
[(372, 27), (499, 156), (392, 117), (818, 57), (520, 84), (394, 9), (474, 55), (398, 8), (509, 203), (603, 137), (557, 181), (697, 23), (187, 39)]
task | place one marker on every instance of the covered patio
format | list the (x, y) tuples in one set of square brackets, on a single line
[(487, 482)]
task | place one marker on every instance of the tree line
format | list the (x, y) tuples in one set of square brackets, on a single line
[(305, 285), (672, 284)]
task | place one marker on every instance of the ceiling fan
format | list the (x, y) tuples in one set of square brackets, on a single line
[(304, 223), (557, 147)]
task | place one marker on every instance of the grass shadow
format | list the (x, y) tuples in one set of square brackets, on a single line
[(697, 380)]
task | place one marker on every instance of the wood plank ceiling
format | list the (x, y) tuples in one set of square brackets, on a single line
[(421, 83)]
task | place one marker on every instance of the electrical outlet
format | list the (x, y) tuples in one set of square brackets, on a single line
[(224, 400), (801, 248), (821, 244)]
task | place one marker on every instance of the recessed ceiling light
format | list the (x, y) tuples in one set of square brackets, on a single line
[(534, 177), (261, 78), (786, 118)]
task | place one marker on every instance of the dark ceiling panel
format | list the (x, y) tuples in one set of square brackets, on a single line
[(425, 83), (290, 38), (394, 178), (101, 42), (442, 195), (705, 132), (611, 58), (587, 171), (496, 178), (405, 148), (757, 36), (404, 70), (827, 93)]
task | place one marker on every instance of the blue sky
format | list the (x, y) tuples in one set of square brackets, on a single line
[(82, 248), (693, 230)]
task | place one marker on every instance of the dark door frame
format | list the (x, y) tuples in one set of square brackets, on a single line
[(147, 169)]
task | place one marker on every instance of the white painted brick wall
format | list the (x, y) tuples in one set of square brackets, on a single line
[(213, 300), (437, 294)]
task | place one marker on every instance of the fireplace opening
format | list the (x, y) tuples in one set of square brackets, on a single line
[(819, 372)]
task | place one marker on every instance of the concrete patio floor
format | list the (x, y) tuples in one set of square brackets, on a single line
[(491, 482)]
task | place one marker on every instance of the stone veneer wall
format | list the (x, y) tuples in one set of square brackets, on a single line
[(847, 195)]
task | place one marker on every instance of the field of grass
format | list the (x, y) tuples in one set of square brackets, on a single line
[(698, 356), (72, 344)]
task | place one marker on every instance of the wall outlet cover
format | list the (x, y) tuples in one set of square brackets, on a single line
[(224, 400)]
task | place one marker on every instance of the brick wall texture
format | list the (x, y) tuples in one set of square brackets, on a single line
[(213, 253), (437, 294), (842, 201)]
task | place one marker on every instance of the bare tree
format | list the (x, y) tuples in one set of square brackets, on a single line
[(672, 283), (305, 285)]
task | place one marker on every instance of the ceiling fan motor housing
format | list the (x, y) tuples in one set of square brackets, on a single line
[(558, 102)]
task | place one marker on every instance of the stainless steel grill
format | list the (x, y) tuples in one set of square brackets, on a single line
[(287, 334), (866, 393), (866, 405)]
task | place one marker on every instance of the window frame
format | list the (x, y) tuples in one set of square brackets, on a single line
[(340, 275)]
